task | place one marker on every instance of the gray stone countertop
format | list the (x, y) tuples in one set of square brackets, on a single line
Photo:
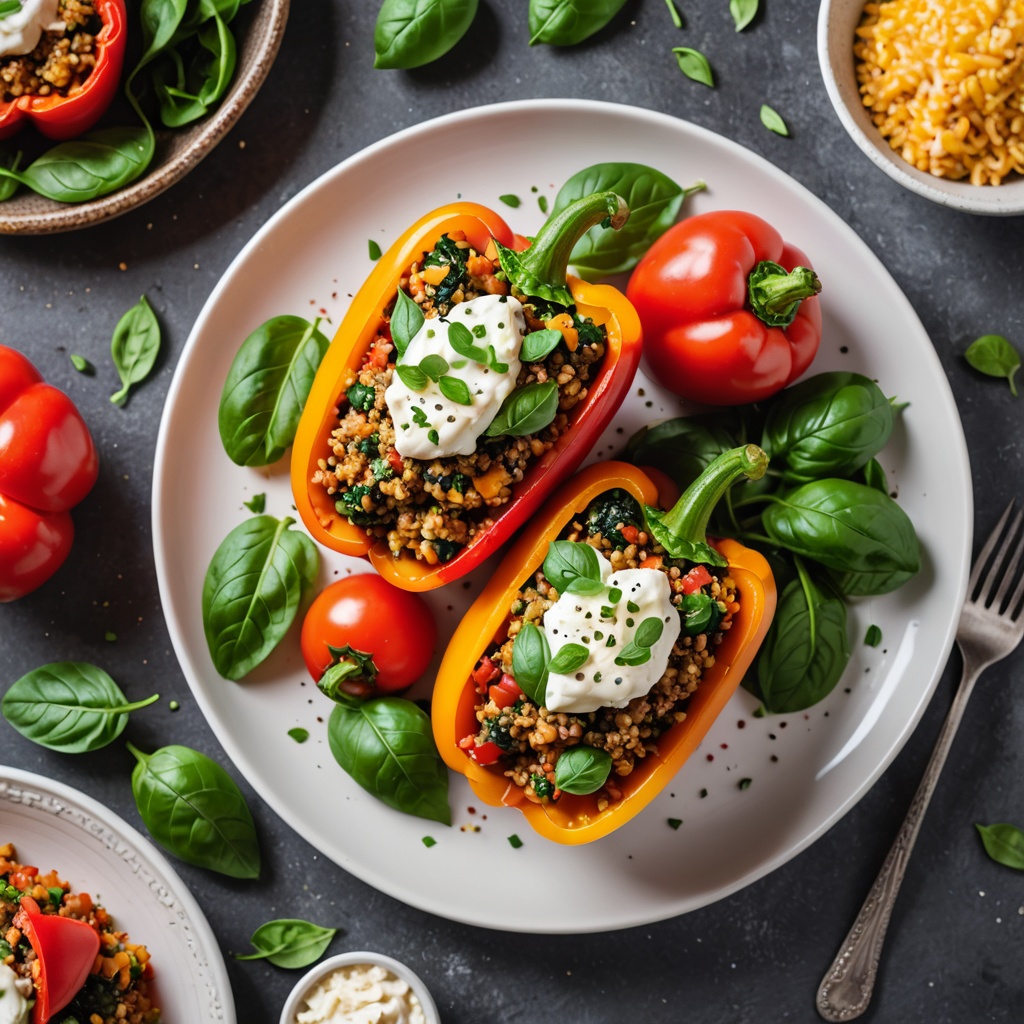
[(957, 935)]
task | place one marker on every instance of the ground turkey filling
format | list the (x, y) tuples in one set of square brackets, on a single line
[(432, 509), (532, 738), (117, 990), (61, 61)]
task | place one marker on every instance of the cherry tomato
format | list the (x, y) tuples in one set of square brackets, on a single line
[(387, 635)]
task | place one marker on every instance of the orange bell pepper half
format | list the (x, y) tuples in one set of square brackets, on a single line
[(573, 820)]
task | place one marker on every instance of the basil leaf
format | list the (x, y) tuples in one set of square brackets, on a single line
[(9, 7), (290, 942), (694, 65), (743, 12), (568, 658), (411, 33), (412, 377), (633, 654), (538, 345), (589, 588), (194, 809), (134, 347), (406, 320), (685, 446), (648, 633), (386, 745), (525, 411), (582, 770), (530, 656), (160, 20), (653, 199), (568, 22), (994, 355), (267, 387), (8, 180), (252, 591), (70, 706), (567, 561), (1004, 844), (873, 636), (700, 612), (772, 120), (455, 390), (434, 366), (460, 337)]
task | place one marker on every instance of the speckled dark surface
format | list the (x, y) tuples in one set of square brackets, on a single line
[(956, 941)]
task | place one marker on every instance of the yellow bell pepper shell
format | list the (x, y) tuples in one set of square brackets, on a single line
[(573, 820)]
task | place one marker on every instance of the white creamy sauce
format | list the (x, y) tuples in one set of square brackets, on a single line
[(429, 425), (605, 627), (362, 994), (20, 31), (15, 994)]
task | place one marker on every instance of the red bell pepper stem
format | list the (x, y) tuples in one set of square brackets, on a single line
[(774, 294)]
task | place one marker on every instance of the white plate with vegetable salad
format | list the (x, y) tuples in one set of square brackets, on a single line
[(759, 789), (56, 828)]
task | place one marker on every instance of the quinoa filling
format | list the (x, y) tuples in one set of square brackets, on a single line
[(62, 59), (432, 508), (524, 740)]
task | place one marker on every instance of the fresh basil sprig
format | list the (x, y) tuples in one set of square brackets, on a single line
[(70, 706), (411, 33), (406, 320), (694, 65), (538, 345), (743, 12), (772, 120), (134, 347), (527, 410), (530, 657), (568, 22), (290, 942), (252, 591), (194, 809), (9, 7), (568, 658), (387, 746), (996, 356), (582, 770), (267, 387), (455, 390), (1004, 844), (573, 568)]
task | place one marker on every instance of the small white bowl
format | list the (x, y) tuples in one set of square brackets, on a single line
[(293, 1004), (837, 20)]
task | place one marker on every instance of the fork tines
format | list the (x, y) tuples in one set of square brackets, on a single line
[(992, 575)]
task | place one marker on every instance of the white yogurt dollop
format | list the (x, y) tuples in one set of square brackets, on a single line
[(428, 423), (20, 30), (606, 626), (15, 993), (362, 994)]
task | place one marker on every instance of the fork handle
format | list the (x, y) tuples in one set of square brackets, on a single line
[(846, 989)]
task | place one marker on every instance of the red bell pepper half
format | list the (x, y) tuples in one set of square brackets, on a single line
[(48, 464), (60, 115)]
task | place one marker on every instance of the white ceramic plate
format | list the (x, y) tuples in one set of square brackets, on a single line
[(57, 828), (806, 770)]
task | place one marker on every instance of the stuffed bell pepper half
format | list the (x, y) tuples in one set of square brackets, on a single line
[(605, 645), (468, 378)]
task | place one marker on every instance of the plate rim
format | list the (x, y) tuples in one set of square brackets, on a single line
[(656, 119)]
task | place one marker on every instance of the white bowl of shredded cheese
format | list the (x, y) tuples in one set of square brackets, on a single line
[(932, 95), (360, 988)]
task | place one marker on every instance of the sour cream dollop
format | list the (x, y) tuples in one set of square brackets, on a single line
[(430, 425), (606, 623), (15, 993), (20, 30)]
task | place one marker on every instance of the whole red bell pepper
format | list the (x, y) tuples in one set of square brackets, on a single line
[(48, 464), (729, 310), (59, 115)]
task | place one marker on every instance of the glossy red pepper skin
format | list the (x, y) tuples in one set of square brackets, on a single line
[(701, 339), (48, 464), (65, 117)]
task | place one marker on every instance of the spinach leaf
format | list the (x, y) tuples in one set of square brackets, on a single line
[(848, 527), (252, 591), (653, 199), (267, 387), (406, 320), (582, 770), (134, 347), (994, 355), (568, 22), (527, 410), (567, 563), (743, 12), (386, 745), (411, 33), (290, 942), (530, 657), (70, 706), (806, 649), (194, 809), (831, 424), (1004, 844), (694, 65)]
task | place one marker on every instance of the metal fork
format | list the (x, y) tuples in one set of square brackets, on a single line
[(991, 626)]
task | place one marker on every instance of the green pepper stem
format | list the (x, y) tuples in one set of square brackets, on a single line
[(774, 294), (688, 519)]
